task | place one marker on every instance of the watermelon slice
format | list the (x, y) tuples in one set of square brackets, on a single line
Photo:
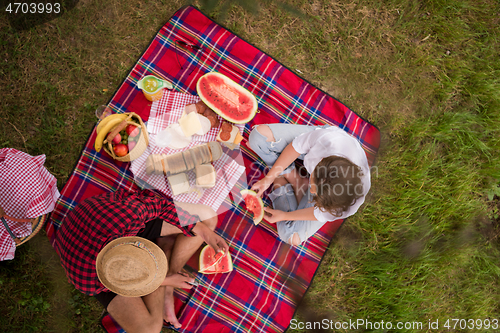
[(212, 263), (227, 98), (254, 204)]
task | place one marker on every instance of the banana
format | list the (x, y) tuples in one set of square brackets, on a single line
[(108, 119), (103, 132)]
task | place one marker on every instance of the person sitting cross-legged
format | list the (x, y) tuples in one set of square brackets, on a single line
[(117, 246), (336, 186)]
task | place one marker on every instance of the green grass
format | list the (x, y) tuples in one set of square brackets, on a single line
[(424, 247)]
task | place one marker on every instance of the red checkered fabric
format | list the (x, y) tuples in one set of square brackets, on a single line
[(168, 110), (27, 190), (100, 219)]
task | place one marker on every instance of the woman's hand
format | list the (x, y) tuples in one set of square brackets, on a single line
[(261, 186), (274, 215)]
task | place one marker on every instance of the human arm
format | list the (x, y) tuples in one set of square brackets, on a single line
[(287, 157), (276, 215), (208, 217), (211, 238)]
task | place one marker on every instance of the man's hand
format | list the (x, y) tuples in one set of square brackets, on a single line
[(274, 215), (216, 242), (211, 238)]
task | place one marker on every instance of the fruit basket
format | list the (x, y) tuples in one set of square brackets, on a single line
[(111, 127)]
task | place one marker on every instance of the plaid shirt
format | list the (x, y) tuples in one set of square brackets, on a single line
[(98, 220)]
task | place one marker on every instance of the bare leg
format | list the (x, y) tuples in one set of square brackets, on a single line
[(298, 183), (139, 314), (184, 247), (278, 182), (294, 239), (166, 243), (266, 131)]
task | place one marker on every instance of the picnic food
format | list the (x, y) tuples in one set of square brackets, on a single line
[(132, 130), (117, 139), (120, 149), (190, 124), (212, 263), (110, 130), (254, 204), (172, 137), (205, 175), (227, 98), (162, 164), (105, 126), (113, 130), (206, 125), (203, 110), (106, 120), (179, 183), (229, 134)]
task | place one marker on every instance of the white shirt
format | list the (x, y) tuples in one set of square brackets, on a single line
[(324, 142)]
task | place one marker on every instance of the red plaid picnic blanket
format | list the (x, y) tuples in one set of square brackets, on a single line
[(269, 278)]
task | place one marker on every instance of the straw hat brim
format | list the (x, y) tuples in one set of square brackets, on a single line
[(150, 278)]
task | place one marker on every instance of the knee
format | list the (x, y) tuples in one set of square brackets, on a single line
[(294, 240), (253, 138), (206, 213), (155, 325), (210, 222), (266, 132)]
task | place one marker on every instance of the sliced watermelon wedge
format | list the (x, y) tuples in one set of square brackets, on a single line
[(213, 263), (254, 204)]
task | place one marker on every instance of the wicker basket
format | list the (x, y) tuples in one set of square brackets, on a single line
[(139, 148), (36, 225)]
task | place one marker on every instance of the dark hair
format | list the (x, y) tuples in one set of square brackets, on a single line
[(338, 184)]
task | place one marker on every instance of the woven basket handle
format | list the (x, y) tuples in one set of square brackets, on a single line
[(118, 128)]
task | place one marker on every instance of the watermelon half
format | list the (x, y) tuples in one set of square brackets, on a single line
[(227, 98), (254, 204), (213, 263)]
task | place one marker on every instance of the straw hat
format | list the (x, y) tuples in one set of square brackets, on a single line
[(131, 266)]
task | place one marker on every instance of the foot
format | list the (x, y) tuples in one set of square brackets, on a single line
[(178, 281), (169, 309)]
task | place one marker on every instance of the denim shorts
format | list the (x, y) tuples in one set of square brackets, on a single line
[(283, 134), (283, 198)]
